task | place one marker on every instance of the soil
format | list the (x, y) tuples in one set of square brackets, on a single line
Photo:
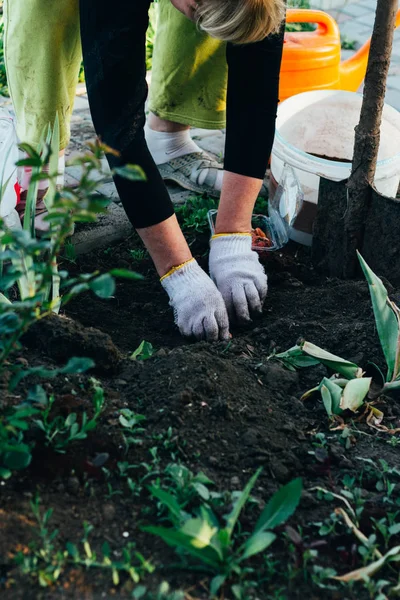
[(223, 409)]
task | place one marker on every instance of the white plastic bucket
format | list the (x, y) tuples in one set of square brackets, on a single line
[(323, 123), (9, 187)]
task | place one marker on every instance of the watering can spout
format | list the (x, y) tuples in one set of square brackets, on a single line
[(352, 70)]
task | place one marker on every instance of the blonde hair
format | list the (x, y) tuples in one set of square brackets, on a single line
[(240, 21)]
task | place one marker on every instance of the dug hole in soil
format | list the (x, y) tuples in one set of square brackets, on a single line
[(227, 408)]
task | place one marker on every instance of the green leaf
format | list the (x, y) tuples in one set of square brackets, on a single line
[(257, 543), (336, 392), (281, 506), (232, 518), (201, 532), (131, 172), (327, 399), (295, 357), (337, 364), (177, 539), (216, 584), (17, 457), (354, 393), (143, 352), (126, 274), (103, 286), (77, 365), (169, 501), (202, 491), (331, 396), (386, 321)]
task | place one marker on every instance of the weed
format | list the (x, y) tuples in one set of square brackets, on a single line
[(130, 422), (60, 431), (69, 252), (45, 563), (181, 482), (213, 545), (192, 215), (144, 351), (138, 254)]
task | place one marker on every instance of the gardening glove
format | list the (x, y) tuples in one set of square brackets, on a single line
[(198, 306), (238, 274)]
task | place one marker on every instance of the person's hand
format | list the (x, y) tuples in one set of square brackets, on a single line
[(186, 7), (198, 306), (238, 274)]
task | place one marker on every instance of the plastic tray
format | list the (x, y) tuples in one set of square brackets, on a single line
[(261, 221)]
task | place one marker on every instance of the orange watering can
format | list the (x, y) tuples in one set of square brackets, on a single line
[(311, 59)]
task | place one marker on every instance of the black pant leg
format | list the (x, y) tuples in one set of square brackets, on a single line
[(113, 41)]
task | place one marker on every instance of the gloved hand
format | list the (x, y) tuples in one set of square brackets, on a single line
[(238, 274), (198, 306)]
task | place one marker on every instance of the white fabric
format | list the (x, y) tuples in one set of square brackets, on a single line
[(239, 276), (165, 146), (198, 306)]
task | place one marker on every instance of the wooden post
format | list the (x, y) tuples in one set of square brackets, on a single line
[(368, 134)]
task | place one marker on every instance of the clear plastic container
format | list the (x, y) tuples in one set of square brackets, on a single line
[(273, 227)]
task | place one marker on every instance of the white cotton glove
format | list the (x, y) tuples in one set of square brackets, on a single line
[(238, 274), (198, 306)]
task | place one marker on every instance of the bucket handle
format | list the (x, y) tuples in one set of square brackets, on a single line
[(326, 24)]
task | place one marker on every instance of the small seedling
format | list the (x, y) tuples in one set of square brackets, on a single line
[(143, 352), (59, 431)]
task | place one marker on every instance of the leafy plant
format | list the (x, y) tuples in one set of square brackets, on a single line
[(185, 485), (61, 431), (144, 351), (192, 215), (131, 429), (347, 389), (31, 263), (15, 453), (17, 421), (213, 545)]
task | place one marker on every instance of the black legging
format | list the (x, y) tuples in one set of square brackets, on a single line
[(114, 41)]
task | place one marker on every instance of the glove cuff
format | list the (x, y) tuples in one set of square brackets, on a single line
[(231, 244), (186, 274)]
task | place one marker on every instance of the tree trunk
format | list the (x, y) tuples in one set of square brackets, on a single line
[(368, 134)]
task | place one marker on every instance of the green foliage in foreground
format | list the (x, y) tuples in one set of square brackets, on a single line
[(214, 545)]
